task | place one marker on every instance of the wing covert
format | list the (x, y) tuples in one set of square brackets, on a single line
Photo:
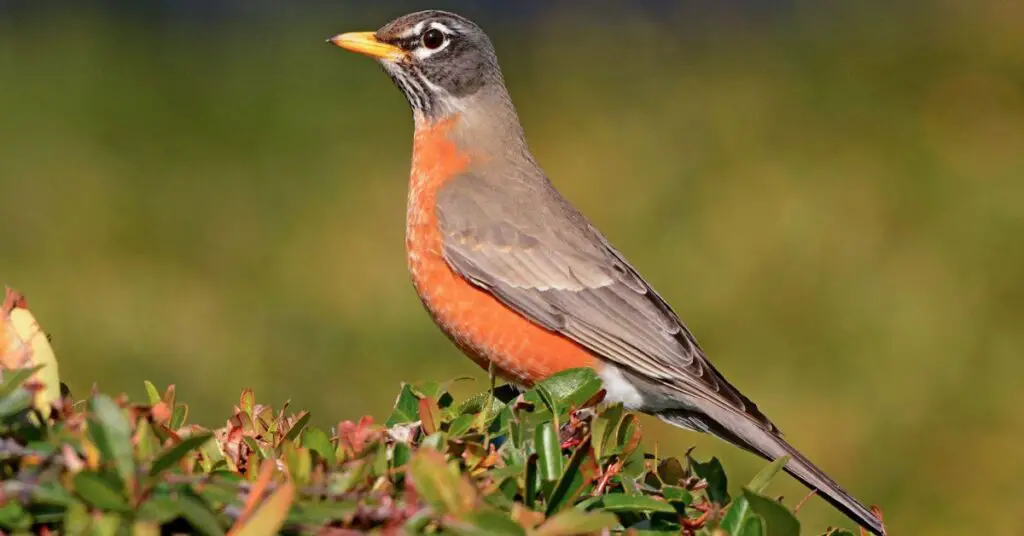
[(545, 261)]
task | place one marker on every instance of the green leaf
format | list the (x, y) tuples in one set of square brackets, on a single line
[(460, 425), (268, 519), (159, 509), (418, 522), (677, 494), (152, 393), (738, 520), (145, 442), (13, 517), (487, 523), (218, 494), (516, 432), (339, 482), (212, 457), (52, 493), (477, 404), (736, 517), (112, 434), (589, 502), (575, 521), (714, 474), (603, 428), (106, 525), (406, 407), (77, 519), (175, 453), (178, 416), (753, 526), (317, 441), (438, 391), (438, 485), (199, 515), (46, 514), (100, 491), (297, 427), (428, 388), (400, 454), (572, 480), (436, 441), (541, 393), (299, 462), (620, 502), (13, 378), (671, 472), (379, 459), (778, 520), (549, 452), (532, 481), (627, 436), (572, 387), (322, 513), (515, 465), (507, 492), (764, 476), (632, 470), (258, 448), (500, 422), (15, 403), (247, 402), (670, 530)]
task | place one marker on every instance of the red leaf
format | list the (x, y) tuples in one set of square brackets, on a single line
[(429, 411)]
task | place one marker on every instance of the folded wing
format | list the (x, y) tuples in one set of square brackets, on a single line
[(545, 261)]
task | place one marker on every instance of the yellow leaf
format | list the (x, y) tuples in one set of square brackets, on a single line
[(145, 528), (271, 514), (256, 492), (92, 455), (23, 344)]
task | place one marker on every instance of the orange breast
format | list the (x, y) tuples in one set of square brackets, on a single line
[(485, 329)]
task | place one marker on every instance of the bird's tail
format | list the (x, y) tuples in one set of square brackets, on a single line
[(743, 432)]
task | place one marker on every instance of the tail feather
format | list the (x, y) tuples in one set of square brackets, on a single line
[(743, 432)]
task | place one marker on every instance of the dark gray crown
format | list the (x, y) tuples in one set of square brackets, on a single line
[(463, 64)]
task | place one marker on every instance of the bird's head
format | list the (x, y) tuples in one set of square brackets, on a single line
[(442, 62)]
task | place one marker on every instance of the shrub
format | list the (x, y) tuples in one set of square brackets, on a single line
[(547, 461)]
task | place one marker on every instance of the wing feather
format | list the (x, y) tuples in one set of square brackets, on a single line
[(545, 261)]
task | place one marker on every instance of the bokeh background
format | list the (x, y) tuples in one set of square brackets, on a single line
[(204, 193)]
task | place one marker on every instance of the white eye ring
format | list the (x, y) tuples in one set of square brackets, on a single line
[(433, 39), (429, 44)]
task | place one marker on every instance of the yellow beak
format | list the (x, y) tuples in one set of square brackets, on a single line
[(366, 43)]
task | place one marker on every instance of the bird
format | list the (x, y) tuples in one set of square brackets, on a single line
[(518, 278)]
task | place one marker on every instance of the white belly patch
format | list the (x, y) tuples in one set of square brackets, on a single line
[(619, 389)]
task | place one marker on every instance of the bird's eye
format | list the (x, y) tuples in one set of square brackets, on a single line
[(433, 38)]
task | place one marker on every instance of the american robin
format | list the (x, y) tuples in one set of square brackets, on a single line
[(518, 278)]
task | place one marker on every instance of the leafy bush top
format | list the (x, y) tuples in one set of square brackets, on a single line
[(497, 463), (545, 462)]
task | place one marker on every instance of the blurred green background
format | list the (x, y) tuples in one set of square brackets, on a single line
[(831, 197)]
